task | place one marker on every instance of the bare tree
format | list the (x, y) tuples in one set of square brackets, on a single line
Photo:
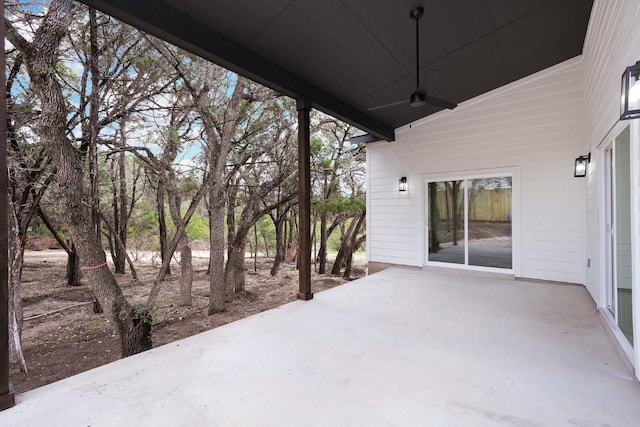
[(261, 181), (339, 189), (40, 58), (349, 243)]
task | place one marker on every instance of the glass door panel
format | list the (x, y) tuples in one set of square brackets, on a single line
[(622, 233), (446, 221), (489, 231), (609, 234)]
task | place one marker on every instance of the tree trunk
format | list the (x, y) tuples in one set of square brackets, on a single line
[(117, 242), (94, 107), (349, 263), (186, 262), (133, 324), (186, 271), (291, 251), (354, 244), (135, 332), (235, 268), (265, 241), (173, 245), (314, 243), (285, 237), (277, 223), (16, 258), (217, 289), (339, 261), (347, 242), (123, 220), (255, 252), (162, 224), (111, 240), (322, 252), (73, 267)]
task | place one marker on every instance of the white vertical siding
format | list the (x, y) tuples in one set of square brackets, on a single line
[(612, 43), (533, 126)]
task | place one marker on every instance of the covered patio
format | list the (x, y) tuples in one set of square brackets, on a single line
[(401, 347), (347, 59)]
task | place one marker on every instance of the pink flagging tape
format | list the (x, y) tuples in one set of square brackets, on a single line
[(94, 267)]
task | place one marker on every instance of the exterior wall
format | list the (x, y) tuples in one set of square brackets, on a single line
[(532, 127), (613, 24), (612, 43)]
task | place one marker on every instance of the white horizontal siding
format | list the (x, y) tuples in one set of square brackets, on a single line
[(548, 273), (612, 43), (533, 126), (560, 256)]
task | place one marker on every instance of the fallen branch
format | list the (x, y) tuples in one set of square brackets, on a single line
[(57, 311)]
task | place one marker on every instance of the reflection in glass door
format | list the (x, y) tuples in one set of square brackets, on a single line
[(469, 222), (446, 222), (490, 240)]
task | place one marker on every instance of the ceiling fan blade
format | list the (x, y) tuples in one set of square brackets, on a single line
[(437, 102), (387, 105)]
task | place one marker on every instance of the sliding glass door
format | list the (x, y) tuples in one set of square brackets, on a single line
[(469, 222), (618, 232)]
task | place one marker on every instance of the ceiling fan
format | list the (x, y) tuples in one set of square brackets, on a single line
[(419, 98)]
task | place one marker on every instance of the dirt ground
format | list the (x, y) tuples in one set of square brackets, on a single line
[(62, 336)]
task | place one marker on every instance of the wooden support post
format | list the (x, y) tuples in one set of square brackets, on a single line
[(7, 399), (304, 200)]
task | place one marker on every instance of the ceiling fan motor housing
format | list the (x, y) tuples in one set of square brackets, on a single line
[(416, 13), (418, 99)]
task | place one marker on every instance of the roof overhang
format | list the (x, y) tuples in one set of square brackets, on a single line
[(345, 56)]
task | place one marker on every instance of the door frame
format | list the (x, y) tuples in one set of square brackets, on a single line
[(607, 267), (610, 294), (514, 173)]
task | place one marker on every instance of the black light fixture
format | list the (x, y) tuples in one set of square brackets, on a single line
[(630, 96), (403, 184), (581, 166)]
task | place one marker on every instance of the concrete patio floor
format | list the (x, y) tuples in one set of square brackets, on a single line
[(402, 347)]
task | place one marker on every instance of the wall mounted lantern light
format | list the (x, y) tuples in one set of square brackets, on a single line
[(581, 166), (630, 96), (402, 184)]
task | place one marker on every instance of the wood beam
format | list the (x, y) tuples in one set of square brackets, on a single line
[(304, 199), (7, 399)]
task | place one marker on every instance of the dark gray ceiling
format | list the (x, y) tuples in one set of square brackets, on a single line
[(349, 55)]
